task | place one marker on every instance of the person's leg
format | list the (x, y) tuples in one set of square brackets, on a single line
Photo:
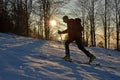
[(81, 47), (67, 51)]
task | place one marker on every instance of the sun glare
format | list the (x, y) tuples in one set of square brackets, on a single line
[(53, 23)]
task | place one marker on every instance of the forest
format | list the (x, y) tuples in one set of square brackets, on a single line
[(31, 18)]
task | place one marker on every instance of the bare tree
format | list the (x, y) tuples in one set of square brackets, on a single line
[(92, 23), (105, 23), (105, 15), (117, 8), (28, 10), (5, 18), (20, 11)]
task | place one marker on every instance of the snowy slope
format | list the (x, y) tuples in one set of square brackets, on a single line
[(30, 59)]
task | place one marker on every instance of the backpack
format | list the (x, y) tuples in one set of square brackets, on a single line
[(78, 25)]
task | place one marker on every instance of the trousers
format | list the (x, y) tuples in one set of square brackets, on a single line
[(79, 45)]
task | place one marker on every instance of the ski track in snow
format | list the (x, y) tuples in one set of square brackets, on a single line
[(31, 59)]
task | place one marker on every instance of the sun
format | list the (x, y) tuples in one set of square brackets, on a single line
[(53, 22)]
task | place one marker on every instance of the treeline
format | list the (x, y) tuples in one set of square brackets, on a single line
[(14, 16), (100, 16), (28, 17)]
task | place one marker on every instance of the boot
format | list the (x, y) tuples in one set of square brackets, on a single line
[(67, 58), (92, 58)]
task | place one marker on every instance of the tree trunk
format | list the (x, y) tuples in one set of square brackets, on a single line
[(46, 11), (92, 23), (117, 23), (105, 25)]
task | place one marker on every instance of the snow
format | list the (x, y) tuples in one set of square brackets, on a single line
[(31, 59)]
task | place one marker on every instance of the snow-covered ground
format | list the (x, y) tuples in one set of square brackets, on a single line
[(30, 59)]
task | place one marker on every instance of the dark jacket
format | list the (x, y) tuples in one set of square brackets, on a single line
[(74, 29)]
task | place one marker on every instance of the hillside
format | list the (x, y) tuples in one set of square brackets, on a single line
[(31, 59)]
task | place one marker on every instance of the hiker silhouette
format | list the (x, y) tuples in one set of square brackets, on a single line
[(74, 30)]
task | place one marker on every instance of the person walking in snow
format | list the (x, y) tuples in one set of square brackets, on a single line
[(74, 30)]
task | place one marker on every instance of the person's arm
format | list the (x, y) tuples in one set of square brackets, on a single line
[(63, 32)]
